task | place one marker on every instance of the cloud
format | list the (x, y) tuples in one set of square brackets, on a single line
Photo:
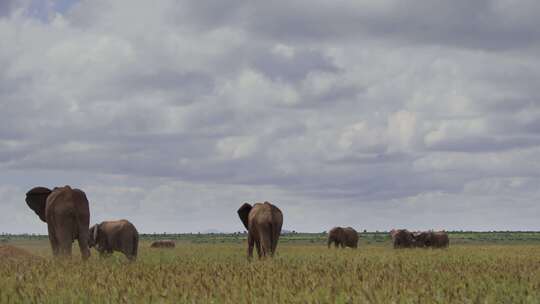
[(174, 113), (485, 24)]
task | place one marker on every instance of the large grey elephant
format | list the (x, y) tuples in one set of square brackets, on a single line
[(263, 222), (402, 238), (340, 236), (66, 212), (431, 239), (112, 236)]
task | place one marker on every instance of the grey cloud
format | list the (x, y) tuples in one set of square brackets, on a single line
[(371, 114), (484, 143), (294, 68), (485, 24), (7, 6)]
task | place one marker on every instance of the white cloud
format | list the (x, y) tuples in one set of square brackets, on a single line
[(237, 147), (401, 131)]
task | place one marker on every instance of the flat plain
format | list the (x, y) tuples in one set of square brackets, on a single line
[(477, 268)]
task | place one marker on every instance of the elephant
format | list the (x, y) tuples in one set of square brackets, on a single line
[(343, 237), (422, 239), (118, 235), (163, 244), (66, 212), (431, 239), (402, 238), (440, 239), (263, 222)]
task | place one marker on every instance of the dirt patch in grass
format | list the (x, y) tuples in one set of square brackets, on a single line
[(15, 253)]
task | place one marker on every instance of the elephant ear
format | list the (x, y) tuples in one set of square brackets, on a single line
[(36, 199), (243, 213), (93, 235)]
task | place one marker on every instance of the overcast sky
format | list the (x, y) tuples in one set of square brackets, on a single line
[(373, 114)]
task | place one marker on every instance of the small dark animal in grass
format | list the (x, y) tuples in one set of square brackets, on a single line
[(66, 212), (402, 238), (344, 237), (263, 222), (163, 244), (433, 239), (440, 239), (112, 236)]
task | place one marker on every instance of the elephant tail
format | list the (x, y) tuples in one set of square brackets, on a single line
[(272, 232), (135, 245), (132, 253), (276, 231), (266, 237)]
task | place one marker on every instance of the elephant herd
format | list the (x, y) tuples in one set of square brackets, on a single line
[(67, 214), (402, 238)]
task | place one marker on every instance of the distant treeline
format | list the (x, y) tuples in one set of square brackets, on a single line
[(378, 237)]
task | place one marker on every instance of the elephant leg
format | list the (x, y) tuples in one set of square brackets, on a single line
[(65, 240), (53, 240), (275, 239), (258, 246), (251, 242), (129, 254), (265, 240), (83, 243)]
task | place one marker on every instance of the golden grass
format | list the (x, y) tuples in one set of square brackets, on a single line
[(220, 273)]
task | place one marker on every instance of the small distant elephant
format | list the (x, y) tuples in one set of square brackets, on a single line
[(432, 239), (263, 222), (343, 237), (440, 239), (112, 236), (402, 238), (422, 239), (66, 212), (163, 244)]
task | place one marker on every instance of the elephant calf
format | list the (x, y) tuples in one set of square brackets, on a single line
[(344, 237), (112, 236)]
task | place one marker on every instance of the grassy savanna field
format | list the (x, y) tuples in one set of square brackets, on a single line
[(477, 268)]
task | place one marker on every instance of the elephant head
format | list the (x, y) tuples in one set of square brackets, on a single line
[(94, 230), (36, 199), (243, 213), (402, 238), (336, 236), (423, 239)]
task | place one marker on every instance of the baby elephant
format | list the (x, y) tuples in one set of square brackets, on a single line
[(112, 236)]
